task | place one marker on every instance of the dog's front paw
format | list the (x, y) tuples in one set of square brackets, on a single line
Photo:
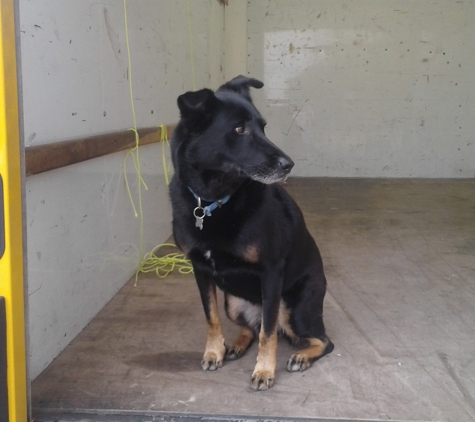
[(262, 380), (298, 363), (211, 361)]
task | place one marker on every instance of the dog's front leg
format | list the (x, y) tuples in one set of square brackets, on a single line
[(215, 348), (263, 376)]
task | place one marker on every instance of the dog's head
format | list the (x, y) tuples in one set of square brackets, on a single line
[(222, 132)]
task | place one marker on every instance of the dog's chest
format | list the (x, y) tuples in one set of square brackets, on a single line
[(234, 275), (208, 258), (243, 256)]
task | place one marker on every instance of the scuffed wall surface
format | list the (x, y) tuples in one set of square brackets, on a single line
[(75, 69), (367, 88), (82, 237)]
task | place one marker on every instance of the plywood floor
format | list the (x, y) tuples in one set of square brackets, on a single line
[(400, 261)]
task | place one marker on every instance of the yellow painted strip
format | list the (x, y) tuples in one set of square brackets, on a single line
[(11, 263)]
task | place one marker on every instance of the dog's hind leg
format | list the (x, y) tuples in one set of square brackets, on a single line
[(303, 359), (215, 349), (303, 323), (239, 346), (248, 316)]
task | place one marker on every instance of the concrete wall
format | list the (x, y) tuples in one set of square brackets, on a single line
[(367, 88), (83, 240)]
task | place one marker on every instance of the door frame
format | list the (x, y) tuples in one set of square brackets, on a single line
[(13, 389)]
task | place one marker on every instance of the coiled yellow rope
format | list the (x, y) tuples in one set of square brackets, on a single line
[(164, 265)]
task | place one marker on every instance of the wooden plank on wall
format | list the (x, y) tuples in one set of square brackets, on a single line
[(41, 158)]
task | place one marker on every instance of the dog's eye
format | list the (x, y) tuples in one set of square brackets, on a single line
[(240, 129)]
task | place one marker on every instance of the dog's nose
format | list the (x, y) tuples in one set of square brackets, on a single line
[(285, 164)]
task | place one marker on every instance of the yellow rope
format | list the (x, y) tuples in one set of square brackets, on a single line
[(134, 152), (129, 63), (164, 265)]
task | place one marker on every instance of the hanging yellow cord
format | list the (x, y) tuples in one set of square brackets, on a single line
[(164, 265), (134, 152)]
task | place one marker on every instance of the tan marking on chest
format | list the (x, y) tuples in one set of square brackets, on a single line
[(251, 254), (237, 307)]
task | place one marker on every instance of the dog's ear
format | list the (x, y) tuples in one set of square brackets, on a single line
[(241, 84), (199, 104)]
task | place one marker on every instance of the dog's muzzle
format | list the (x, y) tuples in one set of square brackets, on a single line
[(277, 172), (286, 164)]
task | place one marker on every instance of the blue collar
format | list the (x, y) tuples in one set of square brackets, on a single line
[(210, 208)]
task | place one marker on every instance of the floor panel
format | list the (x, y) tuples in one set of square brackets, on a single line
[(400, 262)]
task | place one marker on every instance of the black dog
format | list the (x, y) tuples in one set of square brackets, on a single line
[(243, 232)]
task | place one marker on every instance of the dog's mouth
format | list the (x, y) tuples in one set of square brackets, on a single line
[(266, 176), (275, 169), (269, 179)]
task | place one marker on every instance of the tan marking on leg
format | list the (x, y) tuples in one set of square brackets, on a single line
[(263, 376), (284, 322), (303, 359), (251, 254), (215, 348), (241, 344)]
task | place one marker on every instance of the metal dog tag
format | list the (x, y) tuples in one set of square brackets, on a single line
[(199, 218), (199, 223)]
